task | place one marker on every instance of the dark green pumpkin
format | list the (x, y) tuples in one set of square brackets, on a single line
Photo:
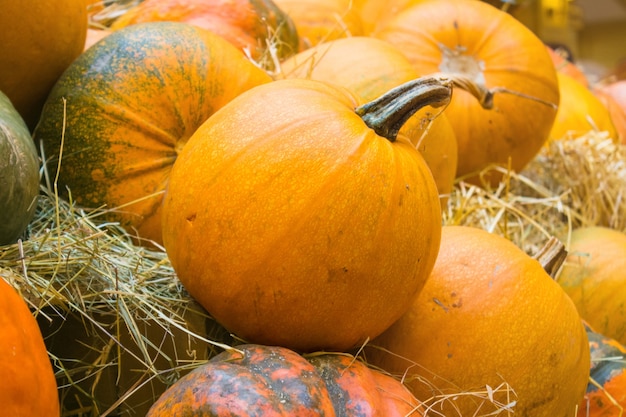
[(19, 173)]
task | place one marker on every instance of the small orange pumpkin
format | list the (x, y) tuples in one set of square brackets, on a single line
[(594, 278), (492, 53), (613, 96), (488, 316), (250, 25), (28, 386), (122, 112), (288, 201), (580, 111), (369, 67), (562, 64), (255, 380)]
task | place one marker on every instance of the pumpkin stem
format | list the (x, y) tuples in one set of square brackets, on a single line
[(485, 95), (552, 256), (389, 112)]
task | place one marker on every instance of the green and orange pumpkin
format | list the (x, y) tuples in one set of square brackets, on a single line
[(121, 113)]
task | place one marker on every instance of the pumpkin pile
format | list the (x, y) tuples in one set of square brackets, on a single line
[(309, 177)]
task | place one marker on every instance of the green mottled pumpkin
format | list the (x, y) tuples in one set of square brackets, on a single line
[(19, 173), (124, 109), (606, 391), (257, 380)]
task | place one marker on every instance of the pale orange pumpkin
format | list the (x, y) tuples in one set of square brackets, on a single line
[(489, 51), (292, 199), (580, 111), (489, 317), (613, 96), (369, 67), (594, 278)]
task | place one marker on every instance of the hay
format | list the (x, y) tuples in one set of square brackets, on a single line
[(115, 310)]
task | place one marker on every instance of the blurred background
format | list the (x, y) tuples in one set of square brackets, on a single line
[(592, 32)]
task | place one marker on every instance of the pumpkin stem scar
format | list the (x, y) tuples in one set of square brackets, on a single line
[(389, 112), (551, 256)]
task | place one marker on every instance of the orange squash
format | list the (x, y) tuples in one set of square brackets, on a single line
[(256, 380), (580, 111), (322, 20), (39, 39), (28, 387), (488, 317), (491, 53), (287, 202), (594, 278), (250, 25), (122, 112), (369, 67)]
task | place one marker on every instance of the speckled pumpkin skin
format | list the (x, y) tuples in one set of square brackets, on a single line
[(128, 106), (257, 380)]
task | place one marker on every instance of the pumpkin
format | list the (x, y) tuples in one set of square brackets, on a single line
[(250, 25), (250, 380), (28, 386), (121, 113), (562, 64), (94, 35), (322, 20), (490, 53), (38, 41), (289, 201), (594, 278), (606, 391), (489, 318), (580, 111), (369, 67), (613, 96), (19, 173)]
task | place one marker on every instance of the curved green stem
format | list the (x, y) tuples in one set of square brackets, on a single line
[(389, 112)]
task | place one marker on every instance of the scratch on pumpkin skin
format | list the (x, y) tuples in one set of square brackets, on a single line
[(440, 304)]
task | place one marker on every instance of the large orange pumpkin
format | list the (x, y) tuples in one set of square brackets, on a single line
[(489, 316), (489, 51), (122, 112), (580, 111), (28, 386), (256, 380), (294, 223), (594, 278), (250, 25), (39, 39), (369, 67)]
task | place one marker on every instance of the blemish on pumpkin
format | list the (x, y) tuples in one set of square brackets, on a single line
[(191, 218), (440, 304), (97, 175)]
